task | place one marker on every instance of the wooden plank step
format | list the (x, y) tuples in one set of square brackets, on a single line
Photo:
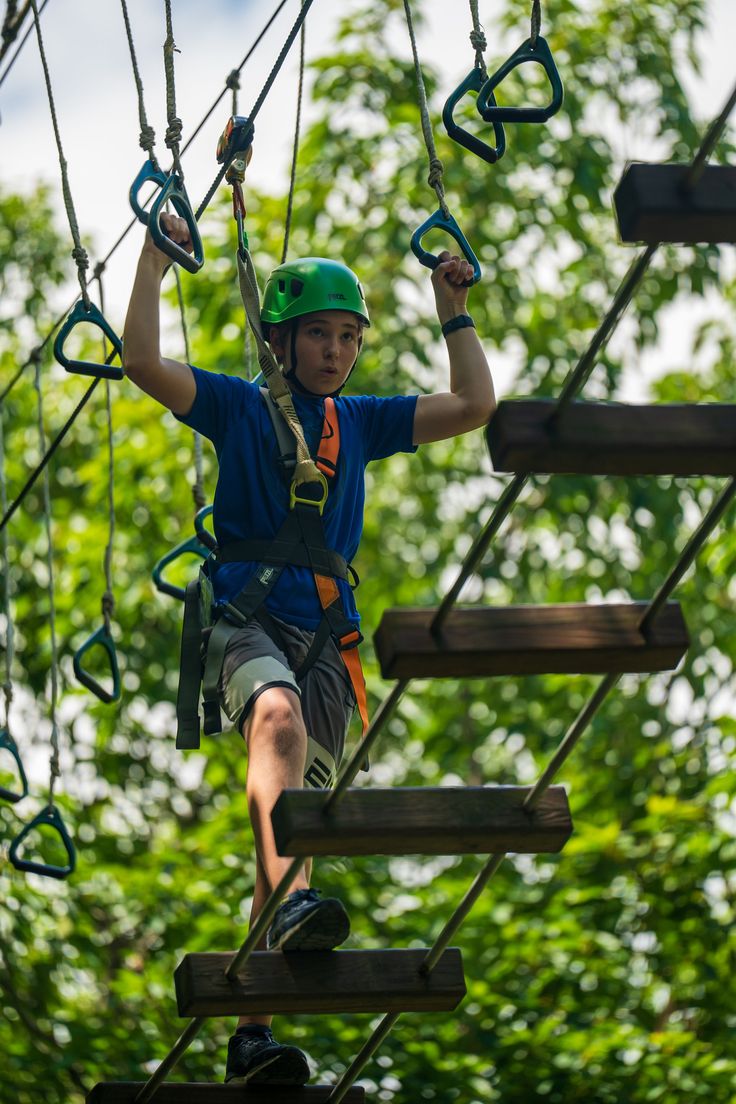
[(652, 206), (125, 1092), (614, 439), (451, 820), (574, 638), (319, 981)]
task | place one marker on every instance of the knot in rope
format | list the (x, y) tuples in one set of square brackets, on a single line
[(436, 168), (478, 40), (173, 133), (147, 138), (79, 253), (233, 80)]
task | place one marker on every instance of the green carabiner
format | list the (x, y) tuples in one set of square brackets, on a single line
[(192, 545), (103, 638), (7, 743), (472, 83), (440, 221), (93, 315), (541, 53), (317, 500), (173, 190), (49, 817), (203, 535), (148, 172)]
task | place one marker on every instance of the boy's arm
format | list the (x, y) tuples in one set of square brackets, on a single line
[(471, 400), (168, 381)]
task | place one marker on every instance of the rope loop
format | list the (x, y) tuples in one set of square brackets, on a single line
[(81, 258)]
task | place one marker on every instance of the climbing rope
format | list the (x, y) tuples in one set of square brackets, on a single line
[(435, 165), (147, 137), (79, 253), (54, 769), (173, 131), (536, 22), (478, 40), (7, 685), (295, 154)]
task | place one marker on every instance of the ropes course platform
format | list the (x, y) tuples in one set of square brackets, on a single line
[(452, 820), (588, 438), (319, 981), (574, 638), (125, 1092), (655, 203)]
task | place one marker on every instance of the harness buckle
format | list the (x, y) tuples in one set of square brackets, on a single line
[(307, 499)]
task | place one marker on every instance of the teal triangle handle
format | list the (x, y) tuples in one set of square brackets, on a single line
[(49, 817), (192, 545), (93, 315), (542, 55), (7, 743), (439, 221), (173, 191), (100, 638), (147, 173), (473, 83)]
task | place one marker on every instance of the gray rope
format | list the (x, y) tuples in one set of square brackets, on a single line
[(478, 39), (435, 165), (233, 83), (108, 598), (147, 138), (7, 685), (200, 499), (173, 130), (295, 154), (536, 22), (79, 253), (54, 770)]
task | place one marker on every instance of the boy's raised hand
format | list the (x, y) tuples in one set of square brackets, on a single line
[(175, 228), (450, 280)]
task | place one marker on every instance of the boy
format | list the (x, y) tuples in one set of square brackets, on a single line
[(294, 726)]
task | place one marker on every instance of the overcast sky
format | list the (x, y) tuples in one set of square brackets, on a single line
[(97, 109)]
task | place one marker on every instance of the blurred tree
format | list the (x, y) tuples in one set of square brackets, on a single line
[(603, 974)]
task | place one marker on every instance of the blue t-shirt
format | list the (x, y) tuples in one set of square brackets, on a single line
[(252, 498)]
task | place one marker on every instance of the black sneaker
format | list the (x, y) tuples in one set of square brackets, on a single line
[(304, 923), (260, 1060)]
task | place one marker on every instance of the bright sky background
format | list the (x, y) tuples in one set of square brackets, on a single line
[(97, 109)]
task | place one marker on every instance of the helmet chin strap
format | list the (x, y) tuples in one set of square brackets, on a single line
[(297, 384)]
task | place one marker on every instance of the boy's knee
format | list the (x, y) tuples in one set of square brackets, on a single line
[(276, 717)]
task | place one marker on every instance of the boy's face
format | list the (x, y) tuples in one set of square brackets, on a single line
[(327, 344)]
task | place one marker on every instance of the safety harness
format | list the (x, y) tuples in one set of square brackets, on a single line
[(300, 541)]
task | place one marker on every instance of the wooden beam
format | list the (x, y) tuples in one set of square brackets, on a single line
[(529, 640), (614, 439), (319, 981), (125, 1092), (452, 820), (652, 206)]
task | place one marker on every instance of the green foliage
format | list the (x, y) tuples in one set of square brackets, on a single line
[(603, 974)]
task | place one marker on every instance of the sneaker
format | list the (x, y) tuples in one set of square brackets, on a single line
[(305, 923), (258, 1059)]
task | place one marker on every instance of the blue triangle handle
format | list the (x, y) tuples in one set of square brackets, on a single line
[(100, 638), (472, 83), (93, 315), (173, 191), (147, 173), (438, 221), (50, 817), (194, 546), (7, 743), (542, 55)]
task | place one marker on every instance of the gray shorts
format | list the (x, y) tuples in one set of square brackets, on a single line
[(253, 662)]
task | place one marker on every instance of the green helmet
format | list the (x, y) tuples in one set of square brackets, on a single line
[(312, 284)]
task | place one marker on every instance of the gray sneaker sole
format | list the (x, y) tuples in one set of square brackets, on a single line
[(325, 928)]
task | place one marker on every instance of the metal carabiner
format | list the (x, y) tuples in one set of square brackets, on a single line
[(440, 221), (304, 500), (493, 113), (49, 817), (173, 191), (472, 83), (91, 314), (103, 638), (7, 743)]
